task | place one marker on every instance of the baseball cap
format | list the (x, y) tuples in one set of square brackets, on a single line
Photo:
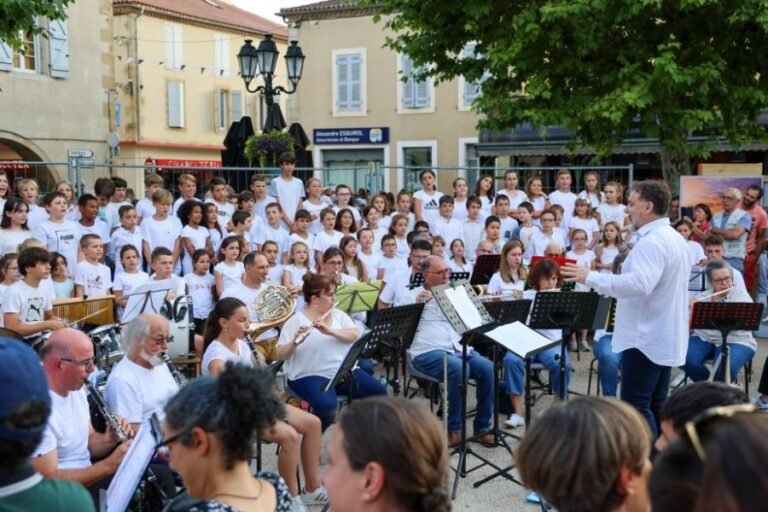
[(22, 380), (287, 156)]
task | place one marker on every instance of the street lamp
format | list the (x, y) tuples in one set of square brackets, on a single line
[(263, 60)]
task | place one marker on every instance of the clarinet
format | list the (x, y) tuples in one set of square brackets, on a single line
[(258, 359), (180, 379), (107, 414)]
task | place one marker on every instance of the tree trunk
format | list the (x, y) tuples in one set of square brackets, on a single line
[(673, 165)]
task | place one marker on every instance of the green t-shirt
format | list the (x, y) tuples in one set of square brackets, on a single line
[(45, 495)]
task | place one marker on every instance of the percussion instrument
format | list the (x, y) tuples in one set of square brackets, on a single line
[(106, 345), (97, 310), (180, 324)]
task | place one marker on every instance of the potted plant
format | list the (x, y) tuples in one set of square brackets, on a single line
[(264, 148)]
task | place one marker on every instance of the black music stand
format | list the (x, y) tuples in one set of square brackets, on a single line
[(567, 311), (417, 280), (726, 317), (365, 344), (485, 266), (456, 312), (504, 312), (399, 324), (458, 276)]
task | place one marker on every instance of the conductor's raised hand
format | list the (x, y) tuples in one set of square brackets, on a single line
[(574, 273)]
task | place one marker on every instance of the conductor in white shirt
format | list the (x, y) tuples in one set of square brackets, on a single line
[(651, 329)]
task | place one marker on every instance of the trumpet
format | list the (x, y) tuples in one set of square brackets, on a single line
[(180, 379), (301, 337), (105, 412)]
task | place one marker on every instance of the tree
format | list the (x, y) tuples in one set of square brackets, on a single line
[(20, 16), (600, 67)]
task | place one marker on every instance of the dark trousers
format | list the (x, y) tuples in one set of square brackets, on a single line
[(644, 385), (763, 387)]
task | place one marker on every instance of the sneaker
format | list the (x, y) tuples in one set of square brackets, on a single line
[(317, 497), (584, 346), (572, 347), (761, 404), (297, 505), (514, 421)]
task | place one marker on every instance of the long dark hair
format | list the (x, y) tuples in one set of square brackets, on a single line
[(224, 308), (12, 205)]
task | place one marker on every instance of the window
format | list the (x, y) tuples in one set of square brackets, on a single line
[(415, 159), (175, 104), (221, 110), (27, 56), (173, 47), (349, 82), (221, 55), (235, 106), (414, 94), (469, 90)]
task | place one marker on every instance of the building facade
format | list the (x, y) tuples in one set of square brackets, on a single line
[(177, 87), (361, 115), (54, 94)]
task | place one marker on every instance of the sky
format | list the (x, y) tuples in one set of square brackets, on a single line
[(267, 8)]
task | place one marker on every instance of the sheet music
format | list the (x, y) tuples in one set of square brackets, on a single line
[(131, 469), (464, 306), (157, 291), (519, 339)]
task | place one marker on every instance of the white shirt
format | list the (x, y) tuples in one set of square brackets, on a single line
[(217, 351), (62, 237), (10, 240), (430, 205), (28, 302), (120, 238), (583, 260), (652, 310), (391, 266), (37, 215), (315, 225), (67, 430), (459, 211), (398, 291), (371, 261), (594, 199), (290, 193), (95, 279), (696, 251), (100, 228), (323, 241), (514, 201), (177, 204), (278, 235), (319, 354), (275, 274), (198, 236), (145, 209), (449, 229), (612, 213), (250, 297), (225, 211), (713, 336), (200, 290), (540, 241), (161, 233), (230, 275), (135, 392), (565, 199), (309, 242), (259, 207), (434, 332), (473, 233), (498, 286), (589, 225), (125, 282)]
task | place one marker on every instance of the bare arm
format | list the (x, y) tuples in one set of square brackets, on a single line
[(47, 465), (14, 323)]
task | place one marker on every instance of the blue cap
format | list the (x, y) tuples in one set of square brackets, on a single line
[(22, 380)]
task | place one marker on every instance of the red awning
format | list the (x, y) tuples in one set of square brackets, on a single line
[(170, 162), (14, 165)]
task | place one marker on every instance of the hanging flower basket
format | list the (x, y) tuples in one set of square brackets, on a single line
[(264, 149)]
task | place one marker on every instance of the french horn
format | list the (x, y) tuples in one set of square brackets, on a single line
[(275, 305)]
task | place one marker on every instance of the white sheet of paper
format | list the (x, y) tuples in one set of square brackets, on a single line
[(518, 338), (131, 469), (464, 306), (157, 289)]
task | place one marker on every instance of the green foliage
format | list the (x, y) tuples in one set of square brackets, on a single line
[(265, 148), (601, 67), (21, 16)]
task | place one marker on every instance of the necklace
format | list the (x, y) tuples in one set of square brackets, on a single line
[(240, 496)]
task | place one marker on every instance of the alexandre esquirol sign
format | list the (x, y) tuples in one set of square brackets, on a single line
[(351, 135)]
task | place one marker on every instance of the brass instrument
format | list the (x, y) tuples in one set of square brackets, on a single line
[(301, 337), (478, 289), (275, 305), (180, 379), (105, 412)]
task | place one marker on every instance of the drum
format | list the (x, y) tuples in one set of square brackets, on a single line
[(106, 345), (37, 342), (180, 325)]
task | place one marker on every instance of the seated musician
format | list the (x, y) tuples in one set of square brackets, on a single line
[(71, 448), (510, 279), (249, 290), (332, 265), (141, 383), (707, 343), (27, 307), (544, 276), (399, 292), (435, 337), (312, 363)]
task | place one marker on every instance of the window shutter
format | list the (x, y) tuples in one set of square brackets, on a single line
[(236, 104), (355, 81), (409, 85), (59, 48), (178, 55), (216, 128), (421, 99), (168, 28), (342, 82), (221, 55), (6, 57), (175, 104)]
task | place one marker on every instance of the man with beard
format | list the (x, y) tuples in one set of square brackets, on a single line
[(750, 203)]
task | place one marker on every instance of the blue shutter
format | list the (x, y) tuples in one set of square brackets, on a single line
[(59, 48), (342, 82), (6, 56), (355, 81)]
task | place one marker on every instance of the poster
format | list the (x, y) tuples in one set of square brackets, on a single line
[(709, 190)]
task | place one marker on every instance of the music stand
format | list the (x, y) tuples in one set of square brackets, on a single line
[(467, 315), (697, 281), (567, 311), (458, 276), (363, 345), (417, 280), (485, 266), (726, 317), (400, 324), (358, 297)]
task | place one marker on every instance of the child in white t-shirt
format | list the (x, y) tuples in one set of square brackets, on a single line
[(200, 287), (129, 278), (145, 208), (127, 234), (272, 251), (582, 219), (273, 230), (228, 271), (163, 230), (328, 237), (367, 255), (220, 197), (193, 235), (92, 278), (389, 263), (294, 272), (188, 189), (287, 189), (58, 234), (685, 228)]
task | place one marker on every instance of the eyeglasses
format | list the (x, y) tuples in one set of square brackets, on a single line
[(335, 263), (159, 340), (729, 198), (547, 219), (85, 363), (692, 427), (163, 448), (443, 272), (722, 280)]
